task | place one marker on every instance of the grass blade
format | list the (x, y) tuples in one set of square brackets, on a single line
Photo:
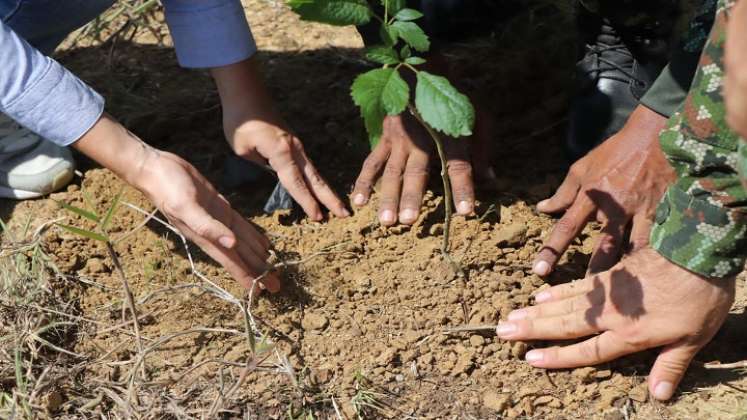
[(82, 232), (112, 209), (79, 211)]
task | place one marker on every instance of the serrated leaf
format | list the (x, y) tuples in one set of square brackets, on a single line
[(411, 33), (388, 35), (333, 12), (393, 6), (396, 94), (406, 52), (406, 15), (382, 55), (377, 93), (82, 232), (442, 106), (79, 211), (415, 61)]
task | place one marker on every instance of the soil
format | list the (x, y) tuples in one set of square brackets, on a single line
[(363, 307)]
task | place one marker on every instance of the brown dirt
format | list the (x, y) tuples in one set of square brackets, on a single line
[(366, 299)]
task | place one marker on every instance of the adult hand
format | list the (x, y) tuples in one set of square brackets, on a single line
[(404, 153), (735, 62), (206, 218), (187, 199), (643, 302), (257, 133), (619, 184)]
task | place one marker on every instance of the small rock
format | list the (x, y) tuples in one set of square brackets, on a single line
[(639, 393), (513, 235), (585, 374), (547, 400), (603, 374), (399, 378), (519, 349), (95, 266), (495, 401), (477, 341), (386, 357), (312, 322)]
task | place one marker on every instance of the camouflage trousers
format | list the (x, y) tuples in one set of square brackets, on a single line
[(701, 223)]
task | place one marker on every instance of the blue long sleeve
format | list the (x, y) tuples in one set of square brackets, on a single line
[(40, 94)]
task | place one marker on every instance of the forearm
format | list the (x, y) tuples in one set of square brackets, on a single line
[(701, 224), (242, 92), (114, 147)]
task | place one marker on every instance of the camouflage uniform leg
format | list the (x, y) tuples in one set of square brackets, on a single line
[(701, 223)]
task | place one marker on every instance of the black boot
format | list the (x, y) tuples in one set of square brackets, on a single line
[(615, 72)]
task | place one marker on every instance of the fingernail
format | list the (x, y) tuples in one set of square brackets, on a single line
[(464, 207), (345, 213), (534, 356), (359, 200), (542, 297), (541, 268), (505, 329), (542, 203), (517, 315), (408, 215), (387, 216), (226, 241), (663, 390)]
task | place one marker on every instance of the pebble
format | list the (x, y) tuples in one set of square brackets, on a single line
[(314, 322), (477, 341), (495, 401)]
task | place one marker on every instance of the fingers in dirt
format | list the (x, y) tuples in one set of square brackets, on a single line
[(414, 182), (460, 174), (598, 349), (564, 196), (319, 187), (566, 229), (370, 171), (391, 184)]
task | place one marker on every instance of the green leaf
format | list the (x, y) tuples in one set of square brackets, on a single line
[(415, 61), (82, 232), (412, 34), (112, 209), (393, 6), (406, 52), (442, 106), (388, 35), (406, 15), (377, 93), (79, 211), (333, 12), (382, 55)]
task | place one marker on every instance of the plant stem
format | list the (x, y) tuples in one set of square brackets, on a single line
[(444, 177), (128, 298)]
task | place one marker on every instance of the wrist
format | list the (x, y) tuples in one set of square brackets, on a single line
[(114, 147)]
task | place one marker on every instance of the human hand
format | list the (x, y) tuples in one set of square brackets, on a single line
[(206, 218), (735, 62), (255, 132), (187, 199), (643, 302), (619, 184), (404, 153)]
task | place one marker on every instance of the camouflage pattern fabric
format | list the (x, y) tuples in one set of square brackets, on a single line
[(701, 223)]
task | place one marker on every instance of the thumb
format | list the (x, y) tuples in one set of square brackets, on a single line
[(563, 197), (207, 227), (669, 369)]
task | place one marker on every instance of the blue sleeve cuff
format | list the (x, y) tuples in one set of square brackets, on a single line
[(40, 94), (209, 33)]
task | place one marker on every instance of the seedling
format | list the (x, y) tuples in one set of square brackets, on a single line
[(437, 106), (101, 234)]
